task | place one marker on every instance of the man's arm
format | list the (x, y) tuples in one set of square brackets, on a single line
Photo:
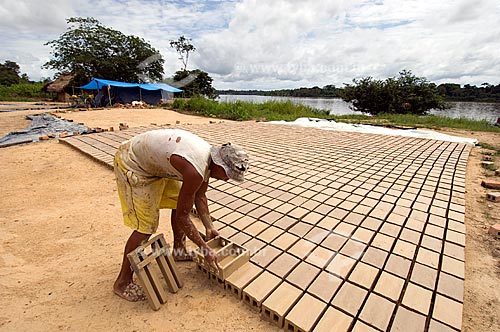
[(191, 183), (201, 204)]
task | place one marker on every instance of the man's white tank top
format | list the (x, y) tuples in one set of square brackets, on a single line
[(148, 154)]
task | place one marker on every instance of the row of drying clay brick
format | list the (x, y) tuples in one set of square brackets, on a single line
[(278, 301)]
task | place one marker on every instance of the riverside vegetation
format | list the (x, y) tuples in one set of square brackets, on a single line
[(288, 111)]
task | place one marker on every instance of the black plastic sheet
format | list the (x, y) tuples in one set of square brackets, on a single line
[(41, 125)]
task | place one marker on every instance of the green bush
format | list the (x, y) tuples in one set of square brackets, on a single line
[(406, 94), (23, 92)]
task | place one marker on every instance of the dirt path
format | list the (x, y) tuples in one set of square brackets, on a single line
[(61, 239)]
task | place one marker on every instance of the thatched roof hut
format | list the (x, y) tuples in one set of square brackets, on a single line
[(59, 86)]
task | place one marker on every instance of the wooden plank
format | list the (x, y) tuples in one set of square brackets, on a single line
[(170, 261), (165, 270), (150, 293)]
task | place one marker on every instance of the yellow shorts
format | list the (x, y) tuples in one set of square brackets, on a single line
[(141, 198)]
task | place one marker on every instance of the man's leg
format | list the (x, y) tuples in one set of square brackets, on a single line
[(125, 276)]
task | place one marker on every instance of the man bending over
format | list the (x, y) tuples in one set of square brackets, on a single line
[(169, 169)]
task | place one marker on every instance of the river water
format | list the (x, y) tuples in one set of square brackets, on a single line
[(336, 106)]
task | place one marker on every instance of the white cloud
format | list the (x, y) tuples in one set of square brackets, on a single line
[(282, 43)]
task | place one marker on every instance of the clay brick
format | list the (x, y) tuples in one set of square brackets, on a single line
[(363, 275), (301, 248), (242, 277), (240, 238), (278, 304), (328, 223), (377, 311), (340, 265), (265, 256), (431, 243), (424, 276), (316, 235), (285, 223), (269, 234), (383, 241), (453, 266), (455, 237), (405, 249), (375, 257), (334, 242), (333, 320), (389, 285), (451, 286), (344, 229), (254, 245), (417, 298), (448, 311), (436, 326), (304, 314), (349, 298), (454, 250), (300, 229), (362, 327), (285, 241), (324, 286), (283, 264), (408, 321), (495, 230), (490, 184), (398, 265), (257, 291), (256, 228), (303, 274), (319, 257)]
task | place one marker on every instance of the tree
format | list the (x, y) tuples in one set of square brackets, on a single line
[(406, 94), (201, 83), (183, 46), (89, 49), (9, 74)]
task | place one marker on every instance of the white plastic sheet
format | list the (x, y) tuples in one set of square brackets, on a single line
[(368, 129)]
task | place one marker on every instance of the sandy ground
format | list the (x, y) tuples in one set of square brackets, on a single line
[(61, 241)]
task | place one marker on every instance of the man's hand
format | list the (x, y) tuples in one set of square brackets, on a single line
[(211, 233), (211, 259)]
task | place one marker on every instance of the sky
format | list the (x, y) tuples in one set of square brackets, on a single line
[(280, 44)]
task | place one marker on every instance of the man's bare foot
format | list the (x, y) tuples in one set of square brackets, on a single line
[(211, 233), (132, 292)]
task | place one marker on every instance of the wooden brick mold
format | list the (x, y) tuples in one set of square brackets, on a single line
[(230, 257), (142, 259)]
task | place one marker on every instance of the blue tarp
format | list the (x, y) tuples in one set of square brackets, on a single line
[(124, 93), (98, 83)]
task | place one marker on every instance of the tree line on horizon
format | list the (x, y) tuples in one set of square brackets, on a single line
[(450, 91)]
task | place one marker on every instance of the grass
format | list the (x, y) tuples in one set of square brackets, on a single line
[(427, 121), (490, 167), (240, 110), (490, 147), (288, 111)]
